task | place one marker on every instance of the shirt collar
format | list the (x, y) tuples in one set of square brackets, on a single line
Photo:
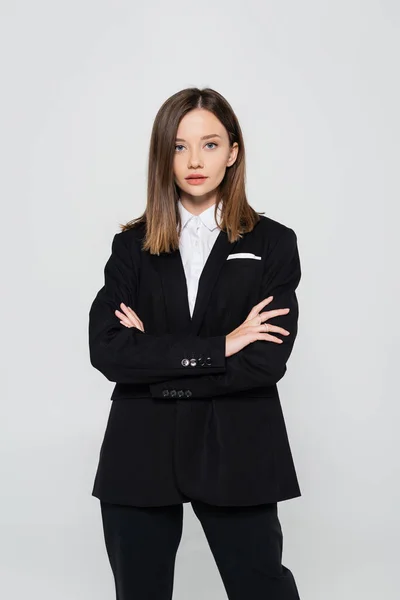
[(207, 216)]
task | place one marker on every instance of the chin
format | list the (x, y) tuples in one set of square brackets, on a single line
[(197, 190)]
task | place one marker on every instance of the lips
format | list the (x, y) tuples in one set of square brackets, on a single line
[(196, 177)]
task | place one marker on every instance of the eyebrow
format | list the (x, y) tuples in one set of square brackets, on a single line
[(205, 137)]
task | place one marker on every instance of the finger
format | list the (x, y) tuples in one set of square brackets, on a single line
[(265, 301), (135, 315), (130, 314), (256, 309), (277, 329), (123, 318), (127, 310), (264, 317), (261, 304), (269, 338), (262, 335), (271, 327), (126, 320), (126, 325), (270, 314)]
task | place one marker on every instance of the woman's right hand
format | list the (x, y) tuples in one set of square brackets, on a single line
[(254, 328), (129, 318)]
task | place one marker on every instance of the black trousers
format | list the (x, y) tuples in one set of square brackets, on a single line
[(246, 543)]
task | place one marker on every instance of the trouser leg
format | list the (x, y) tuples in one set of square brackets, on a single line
[(141, 545), (247, 545)]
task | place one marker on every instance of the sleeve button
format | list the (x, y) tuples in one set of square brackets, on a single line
[(188, 393), (184, 362), (208, 361), (172, 393), (193, 362), (165, 393), (180, 393)]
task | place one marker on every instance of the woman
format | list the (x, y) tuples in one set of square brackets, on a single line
[(195, 324)]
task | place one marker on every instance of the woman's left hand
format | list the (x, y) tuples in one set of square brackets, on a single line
[(128, 317)]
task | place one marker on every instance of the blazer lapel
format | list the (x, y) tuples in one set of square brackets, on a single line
[(172, 274), (208, 278)]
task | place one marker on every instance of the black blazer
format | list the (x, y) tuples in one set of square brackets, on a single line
[(185, 421)]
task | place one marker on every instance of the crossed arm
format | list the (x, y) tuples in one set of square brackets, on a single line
[(129, 355)]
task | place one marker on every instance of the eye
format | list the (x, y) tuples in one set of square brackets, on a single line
[(181, 146)]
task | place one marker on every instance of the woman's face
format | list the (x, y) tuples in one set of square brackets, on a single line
[(201, 148)]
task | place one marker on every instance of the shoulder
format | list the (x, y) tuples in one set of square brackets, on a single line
[(276, 233), (129, 239)]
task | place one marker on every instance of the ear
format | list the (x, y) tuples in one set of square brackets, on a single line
[(233, 154)]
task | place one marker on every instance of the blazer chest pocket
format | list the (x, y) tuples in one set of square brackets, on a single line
[(247, 255), (240, 275)]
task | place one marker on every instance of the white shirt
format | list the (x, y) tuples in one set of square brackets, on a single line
[(197, 238)]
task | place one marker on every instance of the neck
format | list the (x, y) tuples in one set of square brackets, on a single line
[(197, 204)]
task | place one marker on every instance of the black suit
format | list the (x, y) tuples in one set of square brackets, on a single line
[(186, 422)]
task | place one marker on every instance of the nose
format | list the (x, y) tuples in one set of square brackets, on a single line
[(194, 161)]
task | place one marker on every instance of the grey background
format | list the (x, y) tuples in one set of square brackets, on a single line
[(316, 89)]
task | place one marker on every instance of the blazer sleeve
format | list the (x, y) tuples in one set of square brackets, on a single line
[(129, 355), (261, 363)]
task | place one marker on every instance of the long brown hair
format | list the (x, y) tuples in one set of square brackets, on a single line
[(161, 216)]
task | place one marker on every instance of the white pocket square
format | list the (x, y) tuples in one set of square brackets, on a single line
[(243, 255)]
